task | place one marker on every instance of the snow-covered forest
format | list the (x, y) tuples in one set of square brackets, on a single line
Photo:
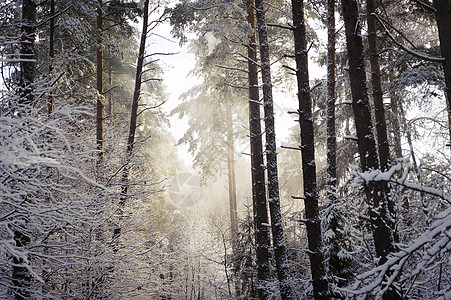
[(309, 156)]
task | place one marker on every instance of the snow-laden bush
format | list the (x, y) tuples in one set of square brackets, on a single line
[(421, 266)]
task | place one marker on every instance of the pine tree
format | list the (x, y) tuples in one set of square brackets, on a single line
[(278, 238), (443, 15), (99, 71), (376, 192), (258, 174), (313, 222)]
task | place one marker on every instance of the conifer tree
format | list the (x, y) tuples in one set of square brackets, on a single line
[(257, 172), (313, 222), (376, 192), (278, 238)]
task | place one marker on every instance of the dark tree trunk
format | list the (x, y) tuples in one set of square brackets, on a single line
[(317, 266), (336, 264), (138, 82), (271, 158), (21, 277), (260, 209), (99, 117), (360, 104), (27, 52), (232, 194), (133, 117), (331, 139), (379, 111), (443, 17), (50, 103), (381, 125), (376, 192)]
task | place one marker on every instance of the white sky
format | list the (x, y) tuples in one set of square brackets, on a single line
[(176, 79), (176, 69)]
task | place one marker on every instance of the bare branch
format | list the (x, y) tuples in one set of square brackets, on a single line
[(54, 16), (410, 51), (236, 86), (151, 107), (151, 79), (108, 90), (289, 27), (248, 59), (232, 68), (161, 53), (292, 148)]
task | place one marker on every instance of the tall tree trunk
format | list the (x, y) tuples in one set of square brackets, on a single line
[(317, 266), (99, 117), (339, 272), (379, 111), (377, 197), (133, 118), (50, 103), (271, 158), (443, 17), (381, 125), (27, 52), (331, 139), (232, 194), (21, 277), (260, 209)]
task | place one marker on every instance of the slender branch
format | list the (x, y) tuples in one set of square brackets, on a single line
[(398, 32), (289, 27), (108, 90), (152, 107), (248, 59), (410, 51), (51, 85), (236, 86), (231, 68), (161, 53), (151, 79), (290, 68), (426, 5), (54, 16), (292, 148)]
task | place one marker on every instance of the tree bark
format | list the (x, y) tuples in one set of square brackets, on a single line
[(443, 17), (271, 158), (50, 103), (21, 277), (379, 112), (232, 194), (376, 192), (133, 118), (260, 209), (317, 265), (99, 110), (331, 139), (27, 53)]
